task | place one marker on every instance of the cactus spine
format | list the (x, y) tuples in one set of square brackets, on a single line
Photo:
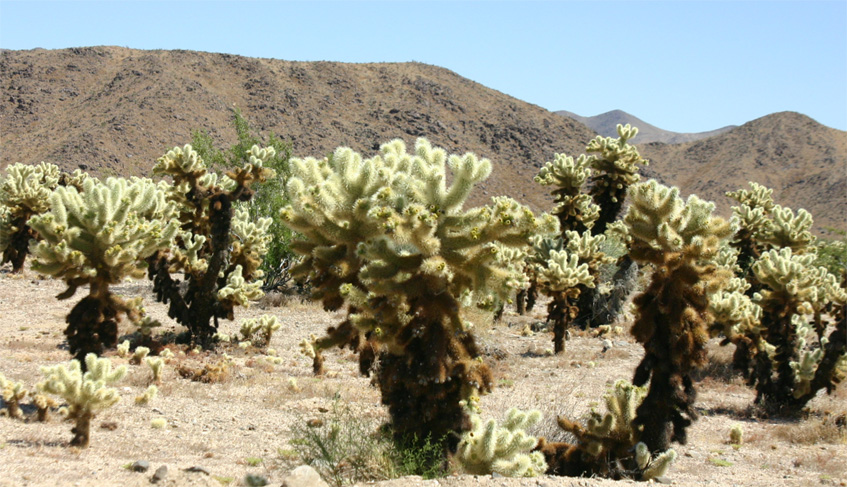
[(506, 450)]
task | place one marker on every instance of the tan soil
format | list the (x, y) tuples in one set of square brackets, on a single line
[(219, 426)]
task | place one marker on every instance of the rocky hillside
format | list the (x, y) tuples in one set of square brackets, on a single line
[(606, 124), (113, 110), (119, 109), (804, 161)]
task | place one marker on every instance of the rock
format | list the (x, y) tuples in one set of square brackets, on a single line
[(140, 466), (304, 476), (160, 474), (255, 480), (198, 469)]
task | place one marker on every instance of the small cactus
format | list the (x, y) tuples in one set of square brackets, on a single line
[(505, 449), (86, 394), (736, 435)]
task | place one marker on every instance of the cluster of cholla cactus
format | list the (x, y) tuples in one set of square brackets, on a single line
[(609, 444), (86, 393), (390, 237), (506, 449), (796, 357), (218, 249), (611, 168), (99, 237), (680, 239), (775, 314)]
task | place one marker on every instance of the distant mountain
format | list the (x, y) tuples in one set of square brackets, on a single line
[(605, 124), (803, 161), (113, 110)]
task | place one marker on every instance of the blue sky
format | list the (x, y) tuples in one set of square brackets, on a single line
[(685, 66)]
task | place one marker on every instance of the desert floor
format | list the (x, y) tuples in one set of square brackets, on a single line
[(243, 424)]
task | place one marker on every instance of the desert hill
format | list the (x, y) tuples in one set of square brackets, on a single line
[(114, 110), (805, 162), (605, 124)]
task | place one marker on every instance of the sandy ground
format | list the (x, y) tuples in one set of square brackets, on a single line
[(243, 424)]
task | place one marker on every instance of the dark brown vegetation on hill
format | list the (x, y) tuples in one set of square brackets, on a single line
[(115, 110)]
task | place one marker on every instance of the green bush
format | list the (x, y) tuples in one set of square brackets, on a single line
[(269, 195)]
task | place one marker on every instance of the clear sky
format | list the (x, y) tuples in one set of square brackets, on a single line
[(685, 66)]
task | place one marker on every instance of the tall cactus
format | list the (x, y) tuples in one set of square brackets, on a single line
[(218, 250), (98, 238), (679, 238), (388, 236)]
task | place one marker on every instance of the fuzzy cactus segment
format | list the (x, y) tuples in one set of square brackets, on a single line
[(503, 449), (99, 237), (85, 393), (12, 393), (680, 238), (390, 238)]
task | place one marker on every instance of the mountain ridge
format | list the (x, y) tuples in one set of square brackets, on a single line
[(114, 110), (605, 124)]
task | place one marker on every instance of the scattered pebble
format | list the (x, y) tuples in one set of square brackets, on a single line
[(160, 474), (140, 466)]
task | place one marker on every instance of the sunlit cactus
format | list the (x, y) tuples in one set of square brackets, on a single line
[(604, 445), (12, 394), (801, 359), (616, 164), (388, 236), (85, 393), (219, 248), (24, 191), (99, 238), (506, 449), (679, 238), (574, 208)]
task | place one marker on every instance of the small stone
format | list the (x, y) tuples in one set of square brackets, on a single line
[(255, 480), (198, 469), (109, 425), (304, 476), (160, 474), (140, 466), (663, 480)]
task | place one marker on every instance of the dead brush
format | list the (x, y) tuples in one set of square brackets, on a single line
[(814, 430), (215, 372)]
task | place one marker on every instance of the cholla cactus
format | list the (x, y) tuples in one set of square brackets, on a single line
[(86, 394), (218, 251), (616, 165), (574, 209), (559, 277), (99, 238), (760, 224), (679, 238), (738, 319), (604, 446), (390, 237), (506, 450), (24, 192), (12, 393), (804, 360), (265, 326)]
